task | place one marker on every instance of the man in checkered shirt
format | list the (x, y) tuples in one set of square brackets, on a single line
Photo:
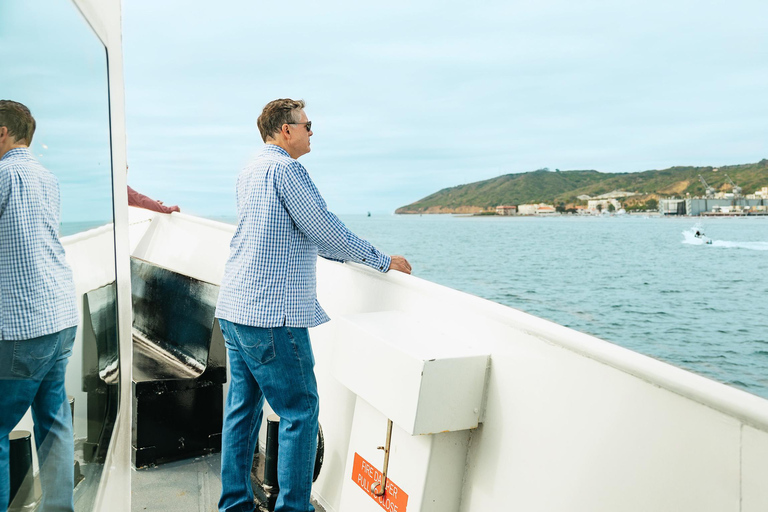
[(267, 303), (38, 314)]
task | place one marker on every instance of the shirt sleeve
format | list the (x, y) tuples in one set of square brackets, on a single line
[(5, 190), (142, 201), (308, 210)]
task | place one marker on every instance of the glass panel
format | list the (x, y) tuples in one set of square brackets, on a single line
[(53, 63)]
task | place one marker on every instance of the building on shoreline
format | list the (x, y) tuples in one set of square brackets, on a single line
[(506, 210), (615, 194), (695, 206), (577, 209), (598, 205), (546, 209), (536, 209)]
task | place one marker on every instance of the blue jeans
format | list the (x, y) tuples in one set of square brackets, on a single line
[(278, 364), (32, 374)]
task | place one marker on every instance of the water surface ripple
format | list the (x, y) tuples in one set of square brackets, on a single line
[(643, 283)]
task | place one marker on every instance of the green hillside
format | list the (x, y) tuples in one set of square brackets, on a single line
[(564, 186)]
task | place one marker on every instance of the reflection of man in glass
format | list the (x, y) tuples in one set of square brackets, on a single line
[(38, 314)]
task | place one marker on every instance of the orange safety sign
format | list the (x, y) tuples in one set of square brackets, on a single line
[(364, 474)]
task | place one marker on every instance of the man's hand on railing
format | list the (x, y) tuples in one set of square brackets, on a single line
[(401, 264)]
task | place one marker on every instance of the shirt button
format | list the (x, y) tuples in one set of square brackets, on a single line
[(363, 259), (381, 268)]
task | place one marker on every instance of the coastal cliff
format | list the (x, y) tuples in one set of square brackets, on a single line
[(564, 187)]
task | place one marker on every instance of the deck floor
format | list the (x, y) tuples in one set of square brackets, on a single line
[(183, 486)]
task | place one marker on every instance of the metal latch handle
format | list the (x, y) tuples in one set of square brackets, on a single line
[(383, 484)]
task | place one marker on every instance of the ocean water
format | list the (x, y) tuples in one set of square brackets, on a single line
[(645, 283)]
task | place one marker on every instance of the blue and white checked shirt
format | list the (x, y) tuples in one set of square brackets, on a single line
[(37, 292), (282, 225)]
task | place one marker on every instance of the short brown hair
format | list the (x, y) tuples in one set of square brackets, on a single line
[(19, 121), (277, 113)]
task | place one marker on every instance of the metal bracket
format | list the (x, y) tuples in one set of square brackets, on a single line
[(383, 484)]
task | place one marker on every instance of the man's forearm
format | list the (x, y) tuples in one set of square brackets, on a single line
[(142, 201)]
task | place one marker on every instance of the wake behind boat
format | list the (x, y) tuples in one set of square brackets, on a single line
[(696, 236)]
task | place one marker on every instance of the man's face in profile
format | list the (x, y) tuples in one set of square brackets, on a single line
[(300, 136)]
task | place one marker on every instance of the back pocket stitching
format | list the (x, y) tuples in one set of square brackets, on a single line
[(15, 366), (270, 350)]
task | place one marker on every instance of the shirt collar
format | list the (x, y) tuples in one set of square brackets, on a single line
[(274, 148), (18, 153)]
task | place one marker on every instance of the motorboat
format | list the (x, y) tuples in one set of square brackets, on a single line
[(701, 236)]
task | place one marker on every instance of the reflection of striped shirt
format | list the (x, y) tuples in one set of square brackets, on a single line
[(282, 225), (37, 292)]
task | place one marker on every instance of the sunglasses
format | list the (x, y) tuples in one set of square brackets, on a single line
[(308, 123)]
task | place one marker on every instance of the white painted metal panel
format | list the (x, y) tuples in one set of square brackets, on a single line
[(191, 246), (754, 462), (91, 257), (572, 422), (428, 469), (564, 432), (414, 372)]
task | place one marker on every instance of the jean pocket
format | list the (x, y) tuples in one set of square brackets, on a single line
[(31, 356), (257, 343), (67, 337), (226, 332)]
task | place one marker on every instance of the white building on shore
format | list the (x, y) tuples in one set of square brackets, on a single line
[(546, 209), (536, 209), (615, 194), (603, 204)]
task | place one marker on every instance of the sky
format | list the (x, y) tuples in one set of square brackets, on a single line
[(409, 97), (51, 62), (406, 97)]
